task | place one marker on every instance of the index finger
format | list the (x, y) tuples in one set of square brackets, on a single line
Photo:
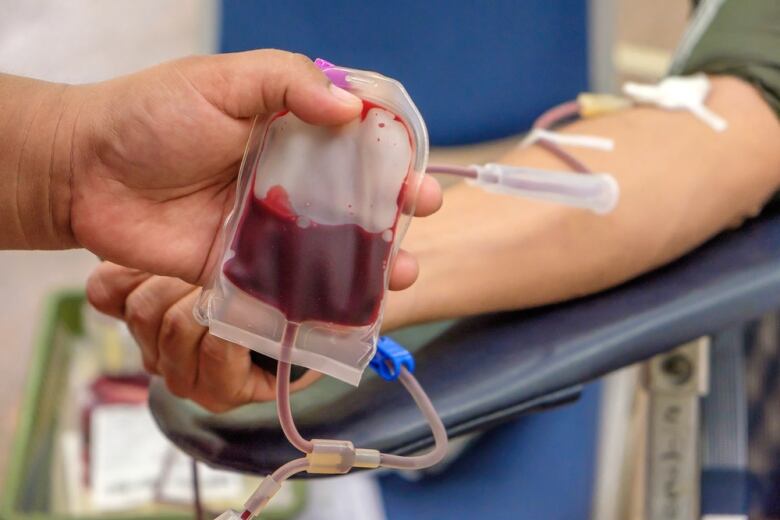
[(109, 285)]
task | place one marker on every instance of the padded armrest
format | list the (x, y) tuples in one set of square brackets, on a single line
[(488, 369)]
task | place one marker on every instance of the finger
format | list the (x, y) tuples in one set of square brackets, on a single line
[(178, 344), (246, 84), (429, 198), (310, 377), (145, 308), (109, 285), (426, 201), (405, 271), (227, 377)]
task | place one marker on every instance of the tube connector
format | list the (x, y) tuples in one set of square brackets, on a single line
[(365, 458), (331, 457), (592, 105)]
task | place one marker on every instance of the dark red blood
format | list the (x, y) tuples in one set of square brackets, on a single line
[(331, 273), (328, 273)]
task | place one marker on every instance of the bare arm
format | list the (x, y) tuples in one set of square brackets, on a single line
[(36, 130), (681, 183)]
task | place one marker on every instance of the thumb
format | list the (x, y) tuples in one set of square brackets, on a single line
[(246, 84)]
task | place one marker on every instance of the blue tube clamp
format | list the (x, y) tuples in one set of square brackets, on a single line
[(389, 358)]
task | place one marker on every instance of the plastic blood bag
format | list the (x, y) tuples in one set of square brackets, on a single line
[(319, 215)]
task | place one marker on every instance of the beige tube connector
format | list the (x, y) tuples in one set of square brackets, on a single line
[(332, 457)]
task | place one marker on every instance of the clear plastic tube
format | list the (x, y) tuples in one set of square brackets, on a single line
[(290, 469), (360, 457), (386, 460), (284, 410), (557, 114), (596, 192), (574, 163), (449, 169), (283, 407), (437, 428)]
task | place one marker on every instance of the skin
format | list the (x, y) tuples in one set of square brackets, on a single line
[(681, 184), (141, 170)]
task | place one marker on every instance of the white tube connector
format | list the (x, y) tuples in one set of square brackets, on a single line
[(598, 192)]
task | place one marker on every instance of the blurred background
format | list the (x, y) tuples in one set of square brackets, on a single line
[(547, 53)]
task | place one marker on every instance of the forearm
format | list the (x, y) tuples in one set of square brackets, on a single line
[(37, 121), (680, 182)]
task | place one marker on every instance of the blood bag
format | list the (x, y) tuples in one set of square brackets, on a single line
[(319, 215)]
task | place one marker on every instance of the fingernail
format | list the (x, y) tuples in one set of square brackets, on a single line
[(344, 96)]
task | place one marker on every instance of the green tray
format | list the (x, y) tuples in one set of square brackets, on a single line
[(26, 495)]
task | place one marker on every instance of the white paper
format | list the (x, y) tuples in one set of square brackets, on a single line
[(351, 497), (127, 457)]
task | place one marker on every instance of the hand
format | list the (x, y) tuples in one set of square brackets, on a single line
[(153, 185), (156, 153), (196, 365)]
